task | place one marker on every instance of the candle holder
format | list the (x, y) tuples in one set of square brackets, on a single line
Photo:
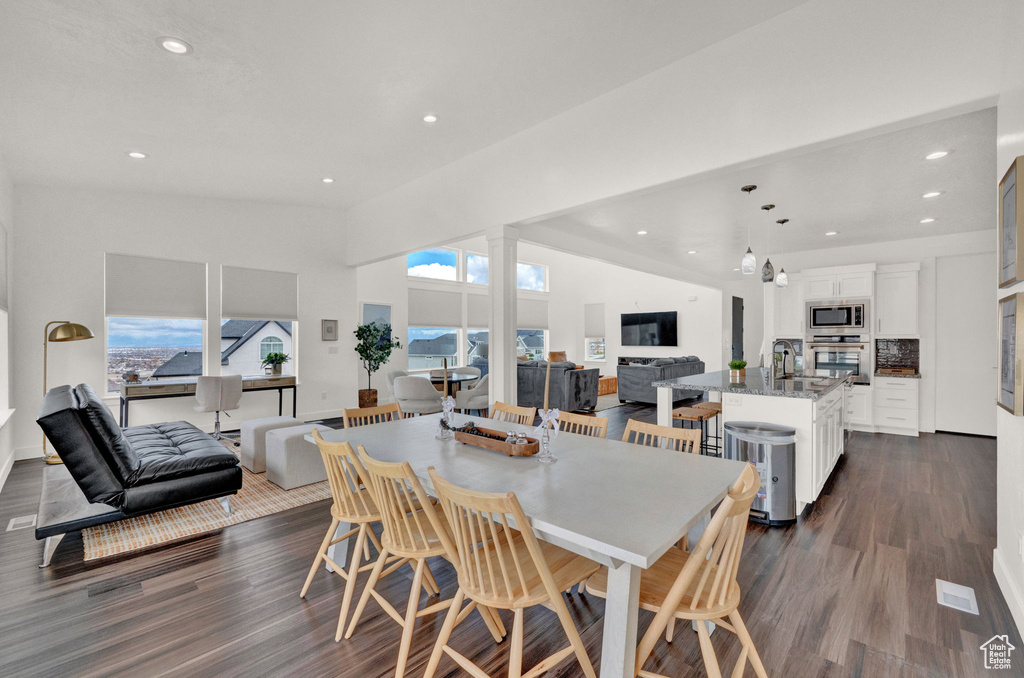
[(545, 456), (444, 425)]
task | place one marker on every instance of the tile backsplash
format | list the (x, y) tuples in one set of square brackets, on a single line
[(898, 353)]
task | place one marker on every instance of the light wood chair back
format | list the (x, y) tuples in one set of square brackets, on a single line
[(668, 437), (494, 566), (346, 475), (514, 414), (583, 425), (709, 575), (412, 528), (558, 356), (363, 416)]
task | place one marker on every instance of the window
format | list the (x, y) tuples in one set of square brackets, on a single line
[(477, 349), (439, 263), (245, 344), (476, 269), (270, 345), (531, 344), (429, 346), (594, 348), (146, 349), (531, 277)]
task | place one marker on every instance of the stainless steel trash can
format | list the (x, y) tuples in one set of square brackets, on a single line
[(772, 449)]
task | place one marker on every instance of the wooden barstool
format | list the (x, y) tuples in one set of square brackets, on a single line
[(365, 416), (700, 585), (717, 421), (509, 569), (511, 413), (698, 416), (413, 531), (652, 435)]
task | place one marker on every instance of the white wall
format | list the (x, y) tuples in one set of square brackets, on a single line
[(7, 224), (58, 264), (1008, 565)]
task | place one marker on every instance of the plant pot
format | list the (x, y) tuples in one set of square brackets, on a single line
[(367, 397), (276, 370), (737, 375)]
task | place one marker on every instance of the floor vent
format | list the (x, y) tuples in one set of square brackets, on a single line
[(22, 522), (955, 596)]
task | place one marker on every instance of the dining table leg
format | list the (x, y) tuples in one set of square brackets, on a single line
[(618, 648), (339, 552)]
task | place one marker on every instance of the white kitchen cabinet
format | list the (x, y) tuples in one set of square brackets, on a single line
[(789, 309), (846, 285), (858, 408), (817, 287), (896, 304), (896, 408)]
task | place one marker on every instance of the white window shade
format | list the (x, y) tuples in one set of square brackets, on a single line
[(148, 287), (478, 310), (593, 320), (254, 294), (3, 269), (435, 308), (532, 314)]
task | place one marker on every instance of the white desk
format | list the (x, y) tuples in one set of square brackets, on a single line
[(619, 504)]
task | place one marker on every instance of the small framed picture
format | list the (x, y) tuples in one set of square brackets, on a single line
[(1011, 376), (1011, 225), (329, 330)]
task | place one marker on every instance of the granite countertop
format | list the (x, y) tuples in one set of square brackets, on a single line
[(758, 381), (916, 375)]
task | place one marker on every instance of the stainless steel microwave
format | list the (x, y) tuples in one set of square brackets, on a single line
[(838, 317)]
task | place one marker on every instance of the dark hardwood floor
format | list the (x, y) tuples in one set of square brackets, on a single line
[(849, 591)]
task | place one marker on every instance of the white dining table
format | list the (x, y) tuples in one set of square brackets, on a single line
[(620, 504)]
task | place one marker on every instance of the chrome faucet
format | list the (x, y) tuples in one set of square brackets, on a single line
[(792, 348)]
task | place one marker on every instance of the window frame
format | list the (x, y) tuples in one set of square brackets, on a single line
[(586, 350), (274, 338), (459, 265), (466, 255), (106, 348), (459, 332)]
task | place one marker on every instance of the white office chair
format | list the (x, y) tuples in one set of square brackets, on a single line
[(390, 377), (218, 394), (471, 371), (416, 395), (474, 398)]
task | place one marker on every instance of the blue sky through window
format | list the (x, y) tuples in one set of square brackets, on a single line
[(436, 263), (154, 332)]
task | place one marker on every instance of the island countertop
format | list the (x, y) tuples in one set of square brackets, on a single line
[(811, 384)]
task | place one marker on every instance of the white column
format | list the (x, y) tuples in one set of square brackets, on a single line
[(665, 396), (618, 649), (502, 245)]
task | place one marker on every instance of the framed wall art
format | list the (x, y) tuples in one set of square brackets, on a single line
[(1011, 374), (380, 313), (328, 330), (1011, 225)]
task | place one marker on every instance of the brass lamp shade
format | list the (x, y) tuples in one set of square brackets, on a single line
[(69, 332)]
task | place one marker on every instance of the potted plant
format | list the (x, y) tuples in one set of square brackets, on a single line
[(274, 361), (737, 369), (374, 346)]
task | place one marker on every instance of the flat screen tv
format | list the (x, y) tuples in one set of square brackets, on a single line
[(649, 329)]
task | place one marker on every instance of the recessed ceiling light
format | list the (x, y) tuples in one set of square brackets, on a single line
[(735, 269), (927, 221), (136, 155), (174, 45), (932, 194), (641, 232), (832, 233), (429, 118), (692, 252), (327, 180), (936, 155)]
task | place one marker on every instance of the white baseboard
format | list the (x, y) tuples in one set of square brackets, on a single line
[(5, 470), (32, 452), (1009, 588), (325, 414)]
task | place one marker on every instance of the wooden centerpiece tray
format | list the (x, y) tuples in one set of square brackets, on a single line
[(489, 439)]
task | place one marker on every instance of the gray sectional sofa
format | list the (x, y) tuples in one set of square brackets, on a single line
[(636, 375), (571, 389)]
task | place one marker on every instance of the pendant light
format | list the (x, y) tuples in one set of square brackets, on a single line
[(768, 271), (749, 263), (782, 279)]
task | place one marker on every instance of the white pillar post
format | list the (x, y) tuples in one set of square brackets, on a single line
[(502, 246)]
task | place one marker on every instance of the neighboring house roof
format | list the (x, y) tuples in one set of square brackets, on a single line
[(183, 364), (533, 340), (190, 363), (442, 345)]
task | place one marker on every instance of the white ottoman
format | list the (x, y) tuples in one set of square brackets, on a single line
[(291, 460), (254, 443)]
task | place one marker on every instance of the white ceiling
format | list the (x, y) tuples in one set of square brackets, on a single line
[(277, 95), (869, 191)]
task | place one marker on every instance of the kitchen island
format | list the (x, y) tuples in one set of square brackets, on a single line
[(811, 401)]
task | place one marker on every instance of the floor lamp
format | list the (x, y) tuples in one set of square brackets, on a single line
[(64, 331)]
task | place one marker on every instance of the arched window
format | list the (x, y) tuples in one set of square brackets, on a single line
[(270, 345)]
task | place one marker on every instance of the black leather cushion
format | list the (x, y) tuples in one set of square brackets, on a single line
[(107, 434), (174, 450), (181, 491), (70, 435)]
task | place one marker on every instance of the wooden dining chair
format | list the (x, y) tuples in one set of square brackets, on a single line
[(507, 569), (513, 414), (700, 585), (353, 504), (668, 437), (363, 416), (413, 532), (583, 424)]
